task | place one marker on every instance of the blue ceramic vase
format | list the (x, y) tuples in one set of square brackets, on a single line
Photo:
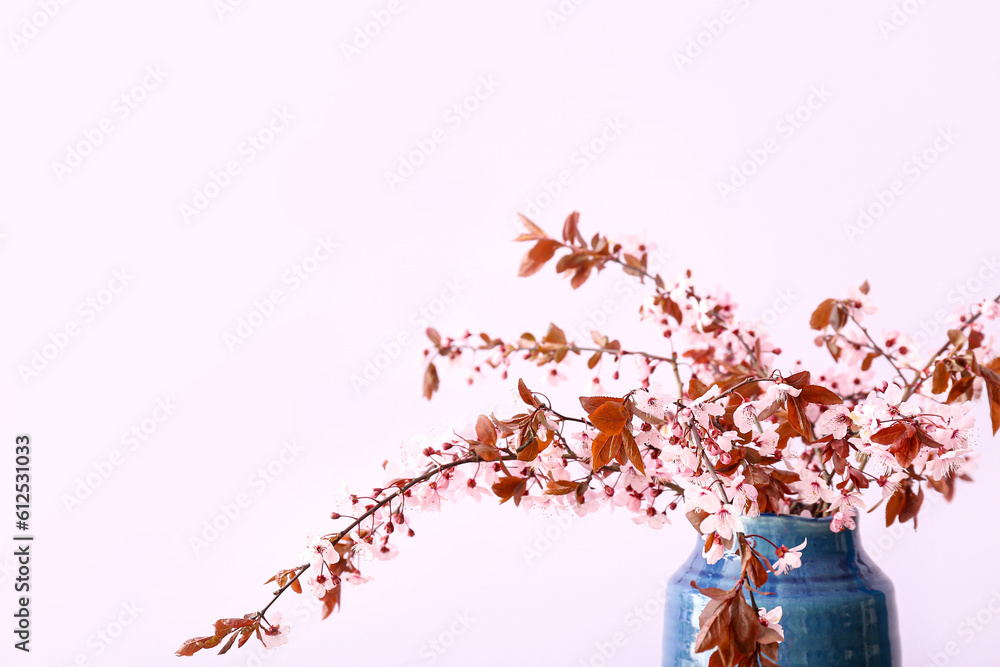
[(838, 609)]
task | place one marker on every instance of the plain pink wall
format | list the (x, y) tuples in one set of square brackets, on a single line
[(611, 68)]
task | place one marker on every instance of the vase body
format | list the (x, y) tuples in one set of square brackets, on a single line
[(838, 609)]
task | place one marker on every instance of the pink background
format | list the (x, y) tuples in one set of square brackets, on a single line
[(778, 243)]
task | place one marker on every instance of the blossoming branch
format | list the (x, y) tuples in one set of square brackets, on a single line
[(736, 434)]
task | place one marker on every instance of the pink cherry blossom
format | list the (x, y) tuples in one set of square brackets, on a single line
[(275, 634), (842, 520), (788, 559), (725, 522), (745, 417), (812, 489), (716, 551), (651, 518), (944, 465), (323, 582), (770, 619), (834, 421), (989, 309), (845, 500), (743, 493), (554, 377), (319, 550), (859, 304)]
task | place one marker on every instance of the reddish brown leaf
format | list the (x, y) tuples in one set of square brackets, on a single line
[(225, 625), (893, 506), (245, 635), (798, 380), (673, 310), (591, 403), (532, 228), (696, 388), (192, 646), (714, 593), (911, 504), (560, 487), (507, 488), (632, 452), (714, 630), (331, 601), (941, 377), (486, 452), (745, 625), (902, 441), (581, 275), (695, 517), (536, 258), (229, 644), (604, 448), (526, 394), (571, 232), (554, 335), (610, 417), (431, 381), (814, 393), (529, 449), (797, 418), (486, 432), (594, 360), (993, 393), (821, 316), (961, 389), (768, 636), (957, 338), (869, 358)]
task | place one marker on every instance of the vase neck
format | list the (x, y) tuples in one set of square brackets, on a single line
[(791, 531)]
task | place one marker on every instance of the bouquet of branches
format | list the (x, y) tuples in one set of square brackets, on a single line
[(717, 428)]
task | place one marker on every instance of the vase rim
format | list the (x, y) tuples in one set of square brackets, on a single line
[(792, 517)]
